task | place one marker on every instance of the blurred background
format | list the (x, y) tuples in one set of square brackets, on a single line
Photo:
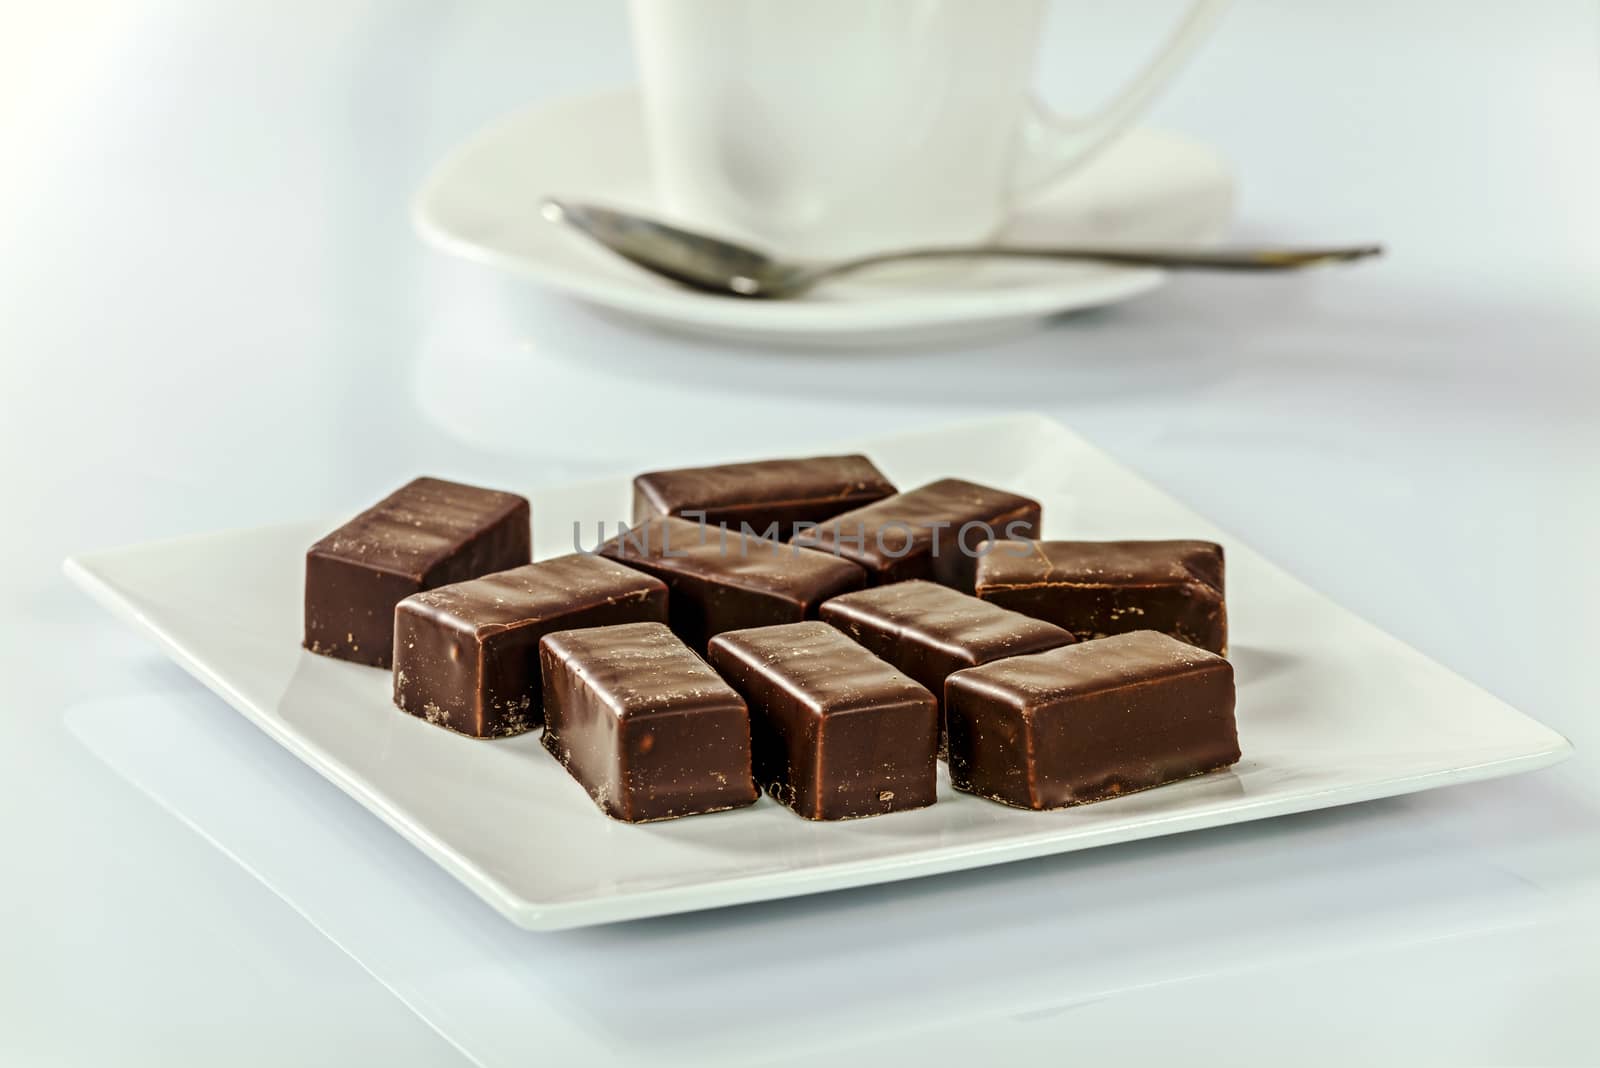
[(211, 285), (214, 312)]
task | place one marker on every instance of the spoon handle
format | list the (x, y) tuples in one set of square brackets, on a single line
[(1177, 258)]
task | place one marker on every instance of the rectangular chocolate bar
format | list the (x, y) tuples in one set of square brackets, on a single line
[(427, 533), (466, 656), (644, 725), (1090, 721), (928, 630), (838, 733), (765, 495), (929, 533), (1098, 588), (722, 580)]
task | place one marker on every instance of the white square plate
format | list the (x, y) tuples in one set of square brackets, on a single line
[(1331, 711)]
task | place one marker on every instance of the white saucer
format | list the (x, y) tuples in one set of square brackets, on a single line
[(482, 202)]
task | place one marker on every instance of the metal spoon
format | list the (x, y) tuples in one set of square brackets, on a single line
[(716, 265)]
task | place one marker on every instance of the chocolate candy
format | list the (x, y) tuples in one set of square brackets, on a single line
[(643, 724), (1090, 721), (929, 631), (929, 533), (838, 733), (721, 580), (466, 656), (1096, 588), (427, 533), (770, 496)]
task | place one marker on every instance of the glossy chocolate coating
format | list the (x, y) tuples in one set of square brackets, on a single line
[(644, 725), (728, 581), (919, 534), (1099, 588), (782, 492), (838, 733), (1090, 721), (928, 630), (466, 656), (427, 533)]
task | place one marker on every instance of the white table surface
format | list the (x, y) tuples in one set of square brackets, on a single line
[(213, 313)]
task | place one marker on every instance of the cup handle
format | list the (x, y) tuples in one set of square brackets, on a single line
[(1053, 144)]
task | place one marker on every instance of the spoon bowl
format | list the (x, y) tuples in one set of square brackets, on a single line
[(697, 260)]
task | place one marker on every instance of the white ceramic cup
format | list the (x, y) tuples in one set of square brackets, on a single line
[(831, 128)]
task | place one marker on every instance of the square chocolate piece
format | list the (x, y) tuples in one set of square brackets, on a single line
[(427, 533), (466, 656), (770, 496), (838, 733), (722, 580), (929, 533), (1099, 588), (643, 724), (928, 630), (1090, 721)]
